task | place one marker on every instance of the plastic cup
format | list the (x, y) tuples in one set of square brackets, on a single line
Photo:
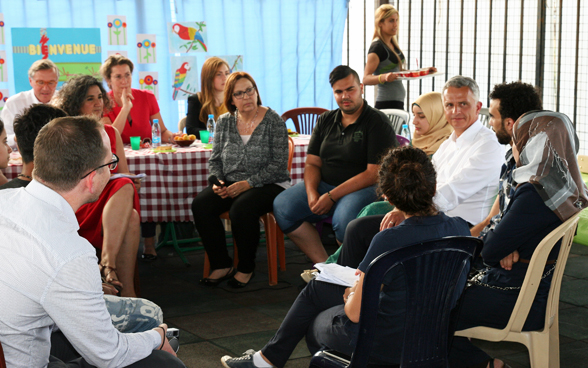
[(204, 136), (136, 143)]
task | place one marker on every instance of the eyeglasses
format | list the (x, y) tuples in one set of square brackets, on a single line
[(43, 83), (122, 76), (111, 165), (239, 95)]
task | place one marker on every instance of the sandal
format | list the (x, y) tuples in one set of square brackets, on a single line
[(107, 270)]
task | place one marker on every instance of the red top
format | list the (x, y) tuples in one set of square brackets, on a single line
[(112, 136), (144, 106)]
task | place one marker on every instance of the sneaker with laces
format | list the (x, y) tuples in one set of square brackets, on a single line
[(245, 361)]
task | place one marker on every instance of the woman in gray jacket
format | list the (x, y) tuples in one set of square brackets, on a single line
[(248, 169)]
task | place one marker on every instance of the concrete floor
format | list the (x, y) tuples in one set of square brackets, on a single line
[(219, 321)]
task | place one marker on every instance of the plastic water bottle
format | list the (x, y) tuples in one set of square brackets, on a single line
[(406, 132), (210, 128), (155, 134)]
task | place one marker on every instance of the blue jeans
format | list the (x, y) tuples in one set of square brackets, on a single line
[(291, 208), (133, 314)]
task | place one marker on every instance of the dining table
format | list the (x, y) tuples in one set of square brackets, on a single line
[(173, 179)]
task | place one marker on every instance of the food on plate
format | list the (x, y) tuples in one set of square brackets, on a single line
[(166, 148)]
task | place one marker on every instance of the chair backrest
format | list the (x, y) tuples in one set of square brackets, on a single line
[(181, 124), (432, 271), (485, 117), (304, 118), (397, 118), (565, 232), (583, 162), (291, 147)]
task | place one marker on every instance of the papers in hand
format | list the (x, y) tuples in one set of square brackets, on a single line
[(336, 274), (138, 176)]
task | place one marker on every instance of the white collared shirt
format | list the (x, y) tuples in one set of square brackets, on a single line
[(49, 277), (468, 171), (15, 105)]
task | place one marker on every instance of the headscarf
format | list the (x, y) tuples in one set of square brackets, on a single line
[(547, 146), (439, 129)]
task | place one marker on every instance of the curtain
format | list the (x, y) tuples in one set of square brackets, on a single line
[(289, 46)]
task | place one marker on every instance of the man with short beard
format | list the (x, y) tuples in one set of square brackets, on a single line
[(508, 102), (341, 167)]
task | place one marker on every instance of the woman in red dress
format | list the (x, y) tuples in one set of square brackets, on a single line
[(112, 223)]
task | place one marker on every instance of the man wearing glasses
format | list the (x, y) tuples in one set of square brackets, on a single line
[(43, 77), (63, 288)]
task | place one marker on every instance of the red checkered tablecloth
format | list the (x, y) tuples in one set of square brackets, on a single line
[(174, 179)]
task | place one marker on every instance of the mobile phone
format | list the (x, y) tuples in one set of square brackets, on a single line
[(214, 180), (172, 332)]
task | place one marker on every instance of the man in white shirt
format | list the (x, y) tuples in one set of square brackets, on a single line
[(468, 163), (43, 77), (49, 275)]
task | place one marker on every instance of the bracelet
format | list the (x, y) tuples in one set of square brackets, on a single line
[(331, 198), (380, 79), (349, 296), (162, 341)]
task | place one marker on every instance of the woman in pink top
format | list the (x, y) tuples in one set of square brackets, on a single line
[(117, 71)]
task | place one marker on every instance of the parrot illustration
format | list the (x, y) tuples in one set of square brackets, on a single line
[(189, 34), (179, 78)]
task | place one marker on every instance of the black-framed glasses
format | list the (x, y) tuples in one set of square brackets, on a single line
[(239, 95), (111, 165)]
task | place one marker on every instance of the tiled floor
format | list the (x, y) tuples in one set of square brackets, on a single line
[(219, 321)]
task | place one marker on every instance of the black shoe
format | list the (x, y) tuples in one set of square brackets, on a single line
[(214, 282), (236, 284), (245, 361)]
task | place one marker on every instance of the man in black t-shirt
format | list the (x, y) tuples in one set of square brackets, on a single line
[(341, 167)]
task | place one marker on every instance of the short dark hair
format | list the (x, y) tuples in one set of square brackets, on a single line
[(1, 127), (342, 72), (72, 95), (516, 98), (66, 149), (29, 123), (408, 179), (230, 88)]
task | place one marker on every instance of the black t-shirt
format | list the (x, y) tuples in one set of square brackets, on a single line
[(15, 183), (383, 53), (347, 152)]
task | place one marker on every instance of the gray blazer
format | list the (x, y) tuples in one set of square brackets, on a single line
[(263, 160)]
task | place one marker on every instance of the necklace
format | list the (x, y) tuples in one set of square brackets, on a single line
[(250, 125), (24, 176)]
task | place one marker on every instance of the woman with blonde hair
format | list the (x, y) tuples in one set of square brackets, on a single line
[(209, 101), (384, 59)]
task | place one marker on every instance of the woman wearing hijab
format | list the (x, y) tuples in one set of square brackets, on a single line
[(430, 125), (549, 190)]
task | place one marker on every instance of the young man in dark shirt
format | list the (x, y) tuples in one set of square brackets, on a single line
[(341, 167)]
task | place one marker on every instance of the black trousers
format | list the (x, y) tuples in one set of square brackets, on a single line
[(244, 212), (64, 355), (317, 313), (358, 237)]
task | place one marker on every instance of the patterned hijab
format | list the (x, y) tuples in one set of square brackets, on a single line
[(439, 129), (547, 146)]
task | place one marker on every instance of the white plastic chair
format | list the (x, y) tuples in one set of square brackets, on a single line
[(181, 124), (543, 345), (397, 118), (485, 117)]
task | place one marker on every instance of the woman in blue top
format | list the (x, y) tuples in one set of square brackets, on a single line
[(327, 314), (549, 190)]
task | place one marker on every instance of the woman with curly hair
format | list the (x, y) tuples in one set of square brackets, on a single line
[(328, 314), (112, 223)]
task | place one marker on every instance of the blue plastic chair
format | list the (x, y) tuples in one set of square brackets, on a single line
[(432, 271)]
